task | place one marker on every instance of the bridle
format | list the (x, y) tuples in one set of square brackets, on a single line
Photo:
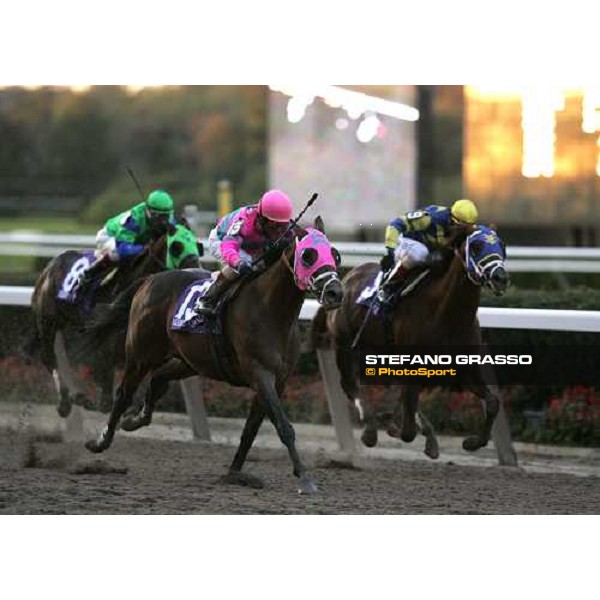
[(479, 272), (313, 281)]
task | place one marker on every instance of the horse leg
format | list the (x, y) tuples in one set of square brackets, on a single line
[(423, 426), (123, 398), (410, 401), (71, 390), (432, 448), (253, 423), (491, 406), (47, 333), (104, 377), (64, 399), (350, 384), (267, 393), (159, 383)]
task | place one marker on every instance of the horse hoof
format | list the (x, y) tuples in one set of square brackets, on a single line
[(432, 450), (243, 479), (473, 443), (105, 405), (83, 401), (393, 431), (64, 408), (408, 436), (369, 438), (98, 445), (131, 424), (93, 446), (307, 485)]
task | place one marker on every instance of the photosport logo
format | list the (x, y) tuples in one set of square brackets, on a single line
[(476, 365)]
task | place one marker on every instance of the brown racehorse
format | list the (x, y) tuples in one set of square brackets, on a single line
[(51, 315), (443, 310), (260, 327)]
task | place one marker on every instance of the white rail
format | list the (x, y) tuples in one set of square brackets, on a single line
[(508, 318), (534, 259)]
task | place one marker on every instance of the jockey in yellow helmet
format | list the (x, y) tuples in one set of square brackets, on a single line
[(409, 239)]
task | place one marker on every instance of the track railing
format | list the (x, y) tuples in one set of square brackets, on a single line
[(534, 259)]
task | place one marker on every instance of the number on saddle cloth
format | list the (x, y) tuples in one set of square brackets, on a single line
[(369, 290), (185, 316), (68, 288)]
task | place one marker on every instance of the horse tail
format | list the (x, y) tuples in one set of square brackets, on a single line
[(319, 334), (112, 318), (29, 349)]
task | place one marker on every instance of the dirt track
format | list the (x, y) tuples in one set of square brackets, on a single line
[(161, 477)]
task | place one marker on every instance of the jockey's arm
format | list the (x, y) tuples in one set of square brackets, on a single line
[(395, 228), (127, 249), (126, 240), (417, 220), (230, 251)]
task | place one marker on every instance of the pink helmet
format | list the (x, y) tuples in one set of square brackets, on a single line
[(276, 206)]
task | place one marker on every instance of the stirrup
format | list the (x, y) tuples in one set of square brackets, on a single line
[(205, 309)]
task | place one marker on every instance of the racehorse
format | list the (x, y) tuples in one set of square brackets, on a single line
[(259, 328), (443, 310), (56, 321)]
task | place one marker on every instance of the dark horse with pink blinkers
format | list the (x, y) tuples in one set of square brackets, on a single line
[(443, 310), (260, 330)]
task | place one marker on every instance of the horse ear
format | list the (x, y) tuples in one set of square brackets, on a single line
[(319, 225)]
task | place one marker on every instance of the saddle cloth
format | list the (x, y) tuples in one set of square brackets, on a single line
[(68, 291), (399, 289), (368, 294), (185, 317)]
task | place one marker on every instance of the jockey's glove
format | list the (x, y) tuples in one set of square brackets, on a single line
[(245, 268), (387, 262)]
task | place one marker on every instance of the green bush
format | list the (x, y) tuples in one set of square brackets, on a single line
[(569, 417)]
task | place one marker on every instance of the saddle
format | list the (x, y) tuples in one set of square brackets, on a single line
[(393, 291), (381, 299)]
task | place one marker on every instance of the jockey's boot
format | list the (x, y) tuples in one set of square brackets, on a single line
[(98, 268), (389, 287), (208, 303)]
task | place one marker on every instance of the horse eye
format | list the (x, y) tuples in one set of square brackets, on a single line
[(309, 257), (176, 248), (476, 247), (337, 257)]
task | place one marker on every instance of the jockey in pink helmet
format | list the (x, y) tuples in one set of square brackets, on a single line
[(241, 237)]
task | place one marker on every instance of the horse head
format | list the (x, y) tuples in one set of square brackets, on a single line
[(184, 250), (485, 257), (178, 248), (316, 264)]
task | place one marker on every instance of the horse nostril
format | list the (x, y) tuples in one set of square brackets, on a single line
[(333, 296), (500, 277)]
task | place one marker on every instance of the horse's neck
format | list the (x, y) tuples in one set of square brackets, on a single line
[(152, 261), (277, 290), (460, 297)]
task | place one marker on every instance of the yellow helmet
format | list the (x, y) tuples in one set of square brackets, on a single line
[(464, 211)]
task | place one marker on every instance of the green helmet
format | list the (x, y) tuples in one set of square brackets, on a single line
[(159, 201)]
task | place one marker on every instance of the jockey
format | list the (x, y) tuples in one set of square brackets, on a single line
[(128, 233), (410, 238), (241, 236)]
